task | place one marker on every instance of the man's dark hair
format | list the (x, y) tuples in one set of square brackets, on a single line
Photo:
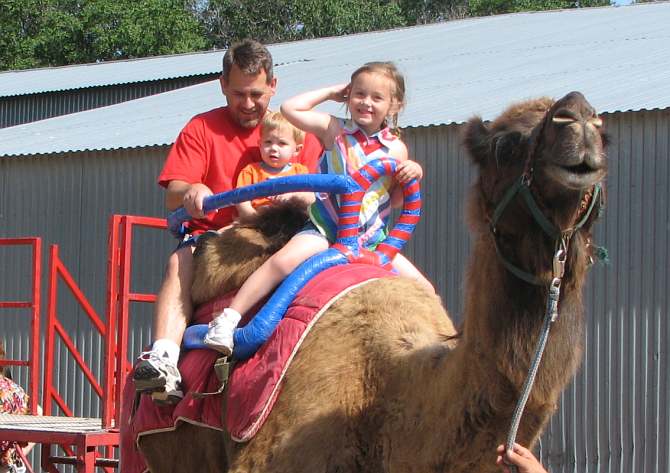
[(250, 56)]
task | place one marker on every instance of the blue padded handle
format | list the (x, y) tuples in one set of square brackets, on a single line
[(333, 183)]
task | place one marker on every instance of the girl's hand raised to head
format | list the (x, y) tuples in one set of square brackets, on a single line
[(408, 170), (299, 110), (339, 93)]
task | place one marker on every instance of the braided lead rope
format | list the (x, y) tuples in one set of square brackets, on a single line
[(550, 316)]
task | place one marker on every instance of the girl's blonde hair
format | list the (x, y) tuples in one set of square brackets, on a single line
[(273, 120), (389, 70)]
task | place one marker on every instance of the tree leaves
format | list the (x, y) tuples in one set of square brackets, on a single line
[(271, 21), (39, 33), (493, 7)]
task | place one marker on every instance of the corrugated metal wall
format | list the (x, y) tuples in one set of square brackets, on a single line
[(68, 200), (612, 418), (20, 109)]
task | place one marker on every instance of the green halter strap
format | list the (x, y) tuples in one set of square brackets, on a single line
[(522, 186)]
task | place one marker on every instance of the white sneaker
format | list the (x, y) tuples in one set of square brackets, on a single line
[(157, 375), (221, 330)]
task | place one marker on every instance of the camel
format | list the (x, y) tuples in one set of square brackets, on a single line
[(384, 382)]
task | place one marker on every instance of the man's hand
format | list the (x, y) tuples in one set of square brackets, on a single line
[(408, 170), (521, 457), (193, 199)]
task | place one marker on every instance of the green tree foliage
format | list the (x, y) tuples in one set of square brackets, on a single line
[(38, 33), (430, 11), (18, 25), (493, 7), (271, 21)]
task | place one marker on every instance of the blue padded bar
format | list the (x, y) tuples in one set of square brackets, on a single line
[(332, 183)]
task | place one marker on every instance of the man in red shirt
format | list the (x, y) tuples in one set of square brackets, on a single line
[(205, 159)]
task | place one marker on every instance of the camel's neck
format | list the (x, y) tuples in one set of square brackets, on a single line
[(504, 316), (468, 397)]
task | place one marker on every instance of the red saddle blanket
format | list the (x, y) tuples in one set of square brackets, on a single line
[(253, 385)]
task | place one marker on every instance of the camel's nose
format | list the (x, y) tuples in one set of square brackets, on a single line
[(593, 155), (576, 105)]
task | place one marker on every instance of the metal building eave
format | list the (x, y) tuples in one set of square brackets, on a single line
[(617, 57), (44, 80), (84, 76), (149, 121)]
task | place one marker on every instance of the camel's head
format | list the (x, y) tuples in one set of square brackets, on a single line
[(559, 148), (541, 164), (570, 146)]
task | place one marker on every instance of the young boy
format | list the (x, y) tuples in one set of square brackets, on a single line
[(279, 145)]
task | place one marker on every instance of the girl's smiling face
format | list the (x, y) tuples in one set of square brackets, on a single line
[(371, 100)]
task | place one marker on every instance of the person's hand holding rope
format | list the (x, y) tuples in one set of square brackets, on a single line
[(520, 457)]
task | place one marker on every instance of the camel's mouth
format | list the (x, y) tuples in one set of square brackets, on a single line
[(579, 176)]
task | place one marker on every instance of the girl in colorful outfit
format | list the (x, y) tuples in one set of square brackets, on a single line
[(374, 97)]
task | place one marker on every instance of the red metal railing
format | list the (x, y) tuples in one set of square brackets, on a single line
[(119, 297), (114, 333), (33, 363), (50, 394), (54, 327)]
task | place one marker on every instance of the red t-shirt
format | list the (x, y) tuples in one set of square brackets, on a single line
[(212, 149)]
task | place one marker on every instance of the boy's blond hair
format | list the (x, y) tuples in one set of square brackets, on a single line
[(273, 120)]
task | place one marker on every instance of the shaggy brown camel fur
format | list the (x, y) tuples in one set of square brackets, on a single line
[(381, 385)]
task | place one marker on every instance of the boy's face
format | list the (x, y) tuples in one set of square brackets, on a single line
[(278, 147)]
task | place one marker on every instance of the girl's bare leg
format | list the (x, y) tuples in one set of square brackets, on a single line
[(407, 269), (276, 269)]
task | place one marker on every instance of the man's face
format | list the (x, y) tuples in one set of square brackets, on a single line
[(248, 96)]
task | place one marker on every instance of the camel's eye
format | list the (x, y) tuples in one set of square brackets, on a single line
[(596, 122), (504, 146), (564, 117)]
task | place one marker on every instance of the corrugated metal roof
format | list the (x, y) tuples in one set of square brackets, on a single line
[(616, 56), (35, 81)]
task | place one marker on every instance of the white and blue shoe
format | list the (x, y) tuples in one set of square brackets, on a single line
[(221, 330), (157, 375)]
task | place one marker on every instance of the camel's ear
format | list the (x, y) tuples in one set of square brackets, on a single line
[(476, 139)]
